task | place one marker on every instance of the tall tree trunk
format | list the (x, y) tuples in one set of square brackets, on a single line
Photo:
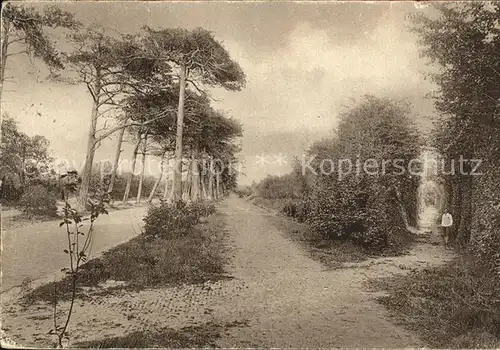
[(189, 179), (177, 183), (5, 47), (210, 179), (116, 160), (158, 180), (203, 175), (195, 190), (218, 193), (87, 168), (131, 175), (166, 192), (141, 177)]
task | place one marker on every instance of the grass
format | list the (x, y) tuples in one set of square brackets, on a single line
[(201, 336), (147, 263), (453, 306)]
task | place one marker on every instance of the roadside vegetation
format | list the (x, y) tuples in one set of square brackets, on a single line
[(331, 253), (345, 207), (458, 305), (179, 249)]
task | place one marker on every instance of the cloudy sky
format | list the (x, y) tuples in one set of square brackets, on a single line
[(304, 63)]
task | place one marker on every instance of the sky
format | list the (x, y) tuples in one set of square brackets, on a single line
[(305, 63)]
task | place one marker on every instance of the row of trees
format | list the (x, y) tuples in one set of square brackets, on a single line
[(463, 42), (152, 85)]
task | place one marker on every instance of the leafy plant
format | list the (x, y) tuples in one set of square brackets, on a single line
[(77, 251)]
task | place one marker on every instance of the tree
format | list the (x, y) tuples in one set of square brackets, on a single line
[(360, 192), (24, 29), (116, 161), (22, 157), (111, 72), (156, 112), (463, 42), (139, 139), (197, 59)]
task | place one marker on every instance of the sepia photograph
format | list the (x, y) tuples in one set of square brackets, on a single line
[(250, 174)]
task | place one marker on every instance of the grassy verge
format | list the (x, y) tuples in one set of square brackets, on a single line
[(202, 336), (146, 263), (453, 306), (331, 253)]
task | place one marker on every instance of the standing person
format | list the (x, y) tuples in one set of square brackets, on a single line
[(446, 223)]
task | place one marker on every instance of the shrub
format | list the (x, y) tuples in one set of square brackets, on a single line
[(201, 209), (169, 220), (37, 200)]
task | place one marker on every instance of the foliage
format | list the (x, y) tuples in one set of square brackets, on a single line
[(332, 190), (23, 159), (207, 59), (370, 208), (462, 40), (174, 220), (145, 262), (274, 187), (77, 250), (299, 209), (38, 201), (23, 24), (243, 191), (199, 61)]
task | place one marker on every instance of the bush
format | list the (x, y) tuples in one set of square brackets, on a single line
[(169, 220), (38, 201)]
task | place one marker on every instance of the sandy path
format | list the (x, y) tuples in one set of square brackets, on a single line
[(285, 298)]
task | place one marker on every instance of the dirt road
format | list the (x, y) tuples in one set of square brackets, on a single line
[(283, 298), (35, 251)]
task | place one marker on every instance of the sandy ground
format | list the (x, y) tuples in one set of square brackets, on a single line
[(285, 298)]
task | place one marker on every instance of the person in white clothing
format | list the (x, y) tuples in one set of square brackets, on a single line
[(446, 223)]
